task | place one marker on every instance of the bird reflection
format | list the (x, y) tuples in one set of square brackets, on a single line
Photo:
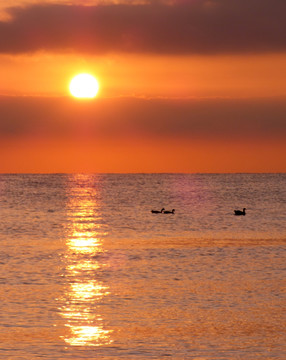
[(84, 246)]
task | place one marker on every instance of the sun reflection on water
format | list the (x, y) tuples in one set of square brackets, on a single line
[(84, 335), (84, 245)]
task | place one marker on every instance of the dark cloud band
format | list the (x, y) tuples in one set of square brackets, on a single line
[(205, 118), (185, 27)]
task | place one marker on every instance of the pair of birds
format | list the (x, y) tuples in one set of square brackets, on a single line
[(163, 211)]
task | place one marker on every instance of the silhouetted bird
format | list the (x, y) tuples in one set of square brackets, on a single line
[(157, 211), (239, 212), (169, 212)]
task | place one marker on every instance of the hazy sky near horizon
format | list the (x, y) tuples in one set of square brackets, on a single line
[(185, 86)]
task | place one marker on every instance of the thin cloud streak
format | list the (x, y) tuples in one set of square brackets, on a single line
[(185, 27)]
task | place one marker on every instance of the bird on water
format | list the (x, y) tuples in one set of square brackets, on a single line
[(157, 211), (169, 212), (239, 212)]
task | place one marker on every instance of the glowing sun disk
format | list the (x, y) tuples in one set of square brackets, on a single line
[(84, 86)]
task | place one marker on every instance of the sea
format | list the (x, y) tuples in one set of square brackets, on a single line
[(87, 271)]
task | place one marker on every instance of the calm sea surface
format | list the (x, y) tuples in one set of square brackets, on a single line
[(88, 272)]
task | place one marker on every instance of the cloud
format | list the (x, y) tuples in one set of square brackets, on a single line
[(182, 27), (153, 118)]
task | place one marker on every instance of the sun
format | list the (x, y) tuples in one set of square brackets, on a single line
[(84, 86)]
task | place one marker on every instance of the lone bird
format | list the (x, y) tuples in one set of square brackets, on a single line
[(157, 211), (169, 212), (239, 212)]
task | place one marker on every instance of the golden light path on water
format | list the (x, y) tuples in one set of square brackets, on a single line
[(84, 242)]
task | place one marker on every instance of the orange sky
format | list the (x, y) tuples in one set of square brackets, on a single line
[(177, 92)]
